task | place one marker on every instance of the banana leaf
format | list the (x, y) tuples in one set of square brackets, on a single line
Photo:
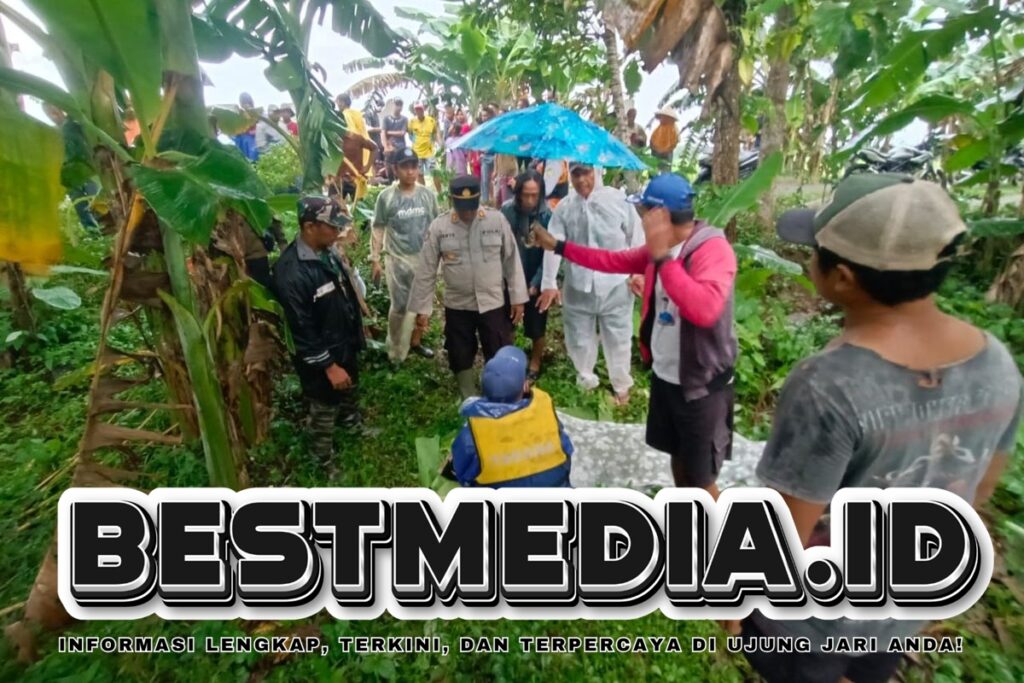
[(744, 195), (429, 458), (206, 392), (30, 191), (121, 36), (61, 298), (232, 120), (188, 197)]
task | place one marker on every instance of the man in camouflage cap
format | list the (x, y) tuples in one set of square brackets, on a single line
[(322, 307)]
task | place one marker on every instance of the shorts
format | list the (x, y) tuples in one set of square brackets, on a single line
[(462, 328), (817, 667), (427, 166), (392, 156), (535, 323), (697, 432)]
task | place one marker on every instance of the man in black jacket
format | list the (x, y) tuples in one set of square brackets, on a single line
[(322, 308)]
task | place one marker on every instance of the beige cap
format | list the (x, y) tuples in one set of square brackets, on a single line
[(880, 220)]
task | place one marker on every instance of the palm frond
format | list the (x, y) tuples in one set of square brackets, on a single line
[(367, 63), (675, 97), (380, 83)]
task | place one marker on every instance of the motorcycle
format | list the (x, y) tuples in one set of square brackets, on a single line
[(748, 164), (912, 161)]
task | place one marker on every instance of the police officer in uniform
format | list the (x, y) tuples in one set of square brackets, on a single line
[(484, 289), (322, 307)]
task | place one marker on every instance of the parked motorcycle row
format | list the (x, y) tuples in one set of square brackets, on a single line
[(913, 161), (918, 161)]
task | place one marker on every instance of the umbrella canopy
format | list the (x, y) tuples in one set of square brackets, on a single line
[(548, 131)]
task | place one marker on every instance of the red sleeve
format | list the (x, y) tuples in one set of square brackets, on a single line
[(702, 292), (628, 262)]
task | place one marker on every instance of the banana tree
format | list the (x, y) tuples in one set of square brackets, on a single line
[(173, 194), (279, 31)]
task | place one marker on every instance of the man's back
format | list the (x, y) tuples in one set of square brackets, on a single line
[(848, 417)]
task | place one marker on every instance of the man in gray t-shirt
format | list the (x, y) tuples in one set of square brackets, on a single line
[(401, 216), (395, 127), (906, 396)]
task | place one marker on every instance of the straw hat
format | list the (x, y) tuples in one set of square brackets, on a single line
[(667, 111)]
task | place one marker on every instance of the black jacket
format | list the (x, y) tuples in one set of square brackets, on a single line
[(322, 310)]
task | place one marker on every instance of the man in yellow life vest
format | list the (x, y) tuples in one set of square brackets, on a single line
[(512, 436)]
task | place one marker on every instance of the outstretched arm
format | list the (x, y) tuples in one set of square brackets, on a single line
[(702, 292)]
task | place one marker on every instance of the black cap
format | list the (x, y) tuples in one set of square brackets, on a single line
[(316, 209), (465, 192), (406, 156)]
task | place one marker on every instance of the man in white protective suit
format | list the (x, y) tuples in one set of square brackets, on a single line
[(598, 307)]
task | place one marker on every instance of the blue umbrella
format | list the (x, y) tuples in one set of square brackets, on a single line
[(548, 131)]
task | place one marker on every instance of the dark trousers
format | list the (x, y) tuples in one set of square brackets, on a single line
[(463, 328), (80, 200), (325, 403)]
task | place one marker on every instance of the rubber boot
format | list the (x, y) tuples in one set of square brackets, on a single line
[(466, 380)]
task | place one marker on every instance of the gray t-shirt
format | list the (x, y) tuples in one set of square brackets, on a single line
[(847, 417), (396, 123), (405, 219)]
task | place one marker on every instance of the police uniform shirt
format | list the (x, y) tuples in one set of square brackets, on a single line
[(476, 262)]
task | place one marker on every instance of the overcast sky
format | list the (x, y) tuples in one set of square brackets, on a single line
[(236, 75)]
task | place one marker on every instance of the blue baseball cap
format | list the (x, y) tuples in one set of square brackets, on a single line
[(503, 379), (513, 352), (669, 190)]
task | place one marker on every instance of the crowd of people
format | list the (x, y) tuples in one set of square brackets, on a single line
[(906, 395)]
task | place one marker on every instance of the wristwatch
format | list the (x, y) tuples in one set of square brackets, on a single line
[(560, 247)]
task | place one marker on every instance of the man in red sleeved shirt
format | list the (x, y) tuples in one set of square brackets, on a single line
[(687, 334)]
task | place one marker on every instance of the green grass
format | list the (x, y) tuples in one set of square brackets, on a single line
[(40, 427)]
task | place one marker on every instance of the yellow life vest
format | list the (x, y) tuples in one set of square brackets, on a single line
[(519, 444)]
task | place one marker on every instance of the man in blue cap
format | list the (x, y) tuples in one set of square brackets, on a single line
[(512, 436), (687, 335)]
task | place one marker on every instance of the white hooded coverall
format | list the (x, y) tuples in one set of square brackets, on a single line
[(596, 305)]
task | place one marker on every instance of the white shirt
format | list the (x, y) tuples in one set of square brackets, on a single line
[(604, 220), (665, 334)]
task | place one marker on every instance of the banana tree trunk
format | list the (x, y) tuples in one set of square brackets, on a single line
[(182, 81), (611, 49), (21, 305), (773, 137), (827, 117), (725, 160)]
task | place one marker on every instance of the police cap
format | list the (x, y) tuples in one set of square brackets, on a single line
[(465, 193)]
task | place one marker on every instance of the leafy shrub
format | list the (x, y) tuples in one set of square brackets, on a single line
[(279, 169)]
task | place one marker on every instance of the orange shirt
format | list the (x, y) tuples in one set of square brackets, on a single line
[(664, 139)]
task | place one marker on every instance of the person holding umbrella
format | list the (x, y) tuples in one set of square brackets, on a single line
[(597, 306), (484, 285)]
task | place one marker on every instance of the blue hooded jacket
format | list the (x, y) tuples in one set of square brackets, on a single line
[(466, 461)]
